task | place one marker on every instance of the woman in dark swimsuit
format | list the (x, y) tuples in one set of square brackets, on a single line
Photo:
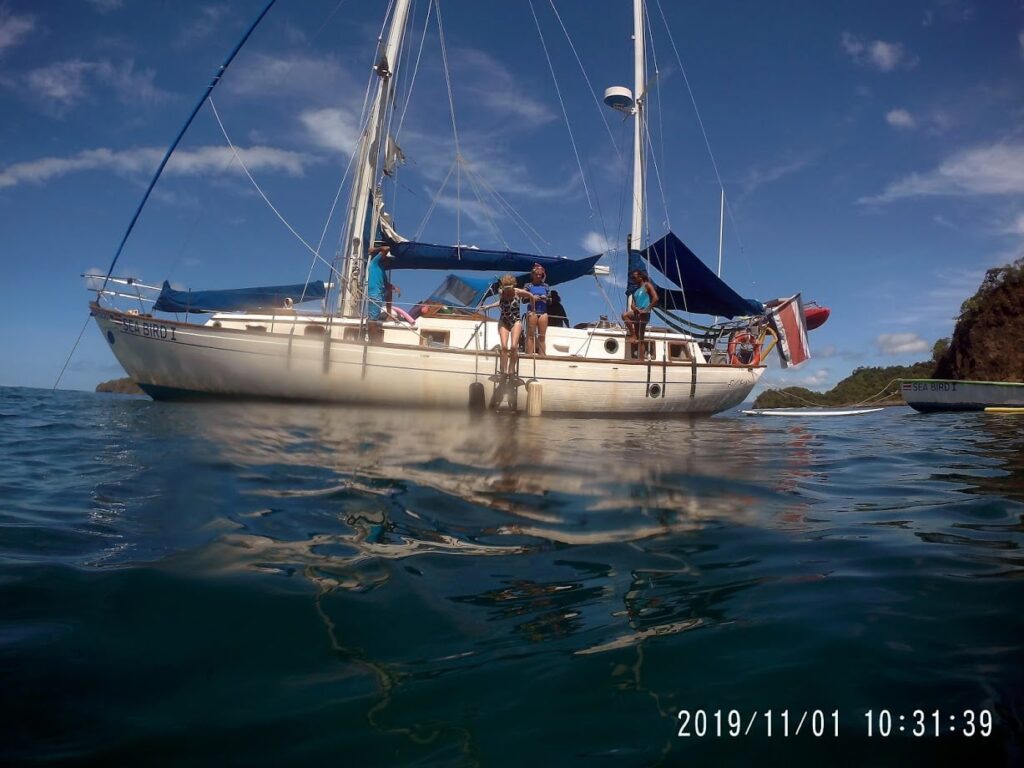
[(510, 326)]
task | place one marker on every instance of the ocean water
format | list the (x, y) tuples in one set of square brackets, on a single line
[(260, 584)]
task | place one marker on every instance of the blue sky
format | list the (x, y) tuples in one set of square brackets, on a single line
[(872, 152)]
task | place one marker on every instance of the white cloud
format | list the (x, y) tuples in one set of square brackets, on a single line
[(595, 242), (853, 46), (900, 118), (876, 54), (192, 162), (949, 11), (777, 378), (64, 84), (14, 29), (757, 177), (196, 162), (494, 87), (1016, 227), (203, 25), (997, 169), (901, 343), (935, 122), (885, 56), (309, 79), (132, 86), (434, 155), (106, 6), (811, 379), (334, 129)]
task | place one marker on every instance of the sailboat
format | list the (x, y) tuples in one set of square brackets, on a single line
[(261, 343)]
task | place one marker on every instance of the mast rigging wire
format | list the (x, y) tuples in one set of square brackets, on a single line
[(561, 103), (174, 145), (455, 129), (707, 141), (593, 93), (266, 199)]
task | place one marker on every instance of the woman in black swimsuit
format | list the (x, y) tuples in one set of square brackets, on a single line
[(510, 326)]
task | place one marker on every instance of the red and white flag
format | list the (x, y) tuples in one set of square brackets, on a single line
[(787, 318)]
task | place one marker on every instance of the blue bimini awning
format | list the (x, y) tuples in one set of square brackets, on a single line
[(237, 299)]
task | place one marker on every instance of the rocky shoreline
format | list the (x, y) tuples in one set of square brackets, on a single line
[(122, 386)]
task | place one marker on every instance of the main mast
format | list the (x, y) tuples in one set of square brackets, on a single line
[(639, 95), (633, 103), (362, 216), (639, 79)]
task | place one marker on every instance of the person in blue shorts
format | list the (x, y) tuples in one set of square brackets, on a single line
[(537, 317), (642, 300)]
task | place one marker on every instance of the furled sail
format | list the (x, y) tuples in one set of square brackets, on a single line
[(237, 299), (393, 156), (703, 292)]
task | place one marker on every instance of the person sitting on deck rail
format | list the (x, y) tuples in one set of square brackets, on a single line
[(378, 291), (641, 301)]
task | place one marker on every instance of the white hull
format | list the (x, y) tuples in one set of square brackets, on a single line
[(180, 360), (927, 395)]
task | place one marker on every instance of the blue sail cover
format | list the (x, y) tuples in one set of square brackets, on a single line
[(704, 293), (244, 299), (412, 255)]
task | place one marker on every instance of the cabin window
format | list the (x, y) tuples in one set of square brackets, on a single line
[(260, 328), (679, 351), (315, 329), (434, 338), (351, 334), (611, 346), (633, 350)]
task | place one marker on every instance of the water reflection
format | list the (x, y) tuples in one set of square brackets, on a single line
[(388, 493), (428, 560)]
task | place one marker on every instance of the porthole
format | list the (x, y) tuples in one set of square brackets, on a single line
[(110, 336), (611, 346), (655, 390)]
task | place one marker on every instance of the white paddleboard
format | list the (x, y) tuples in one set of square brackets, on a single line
[(801, 412)]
